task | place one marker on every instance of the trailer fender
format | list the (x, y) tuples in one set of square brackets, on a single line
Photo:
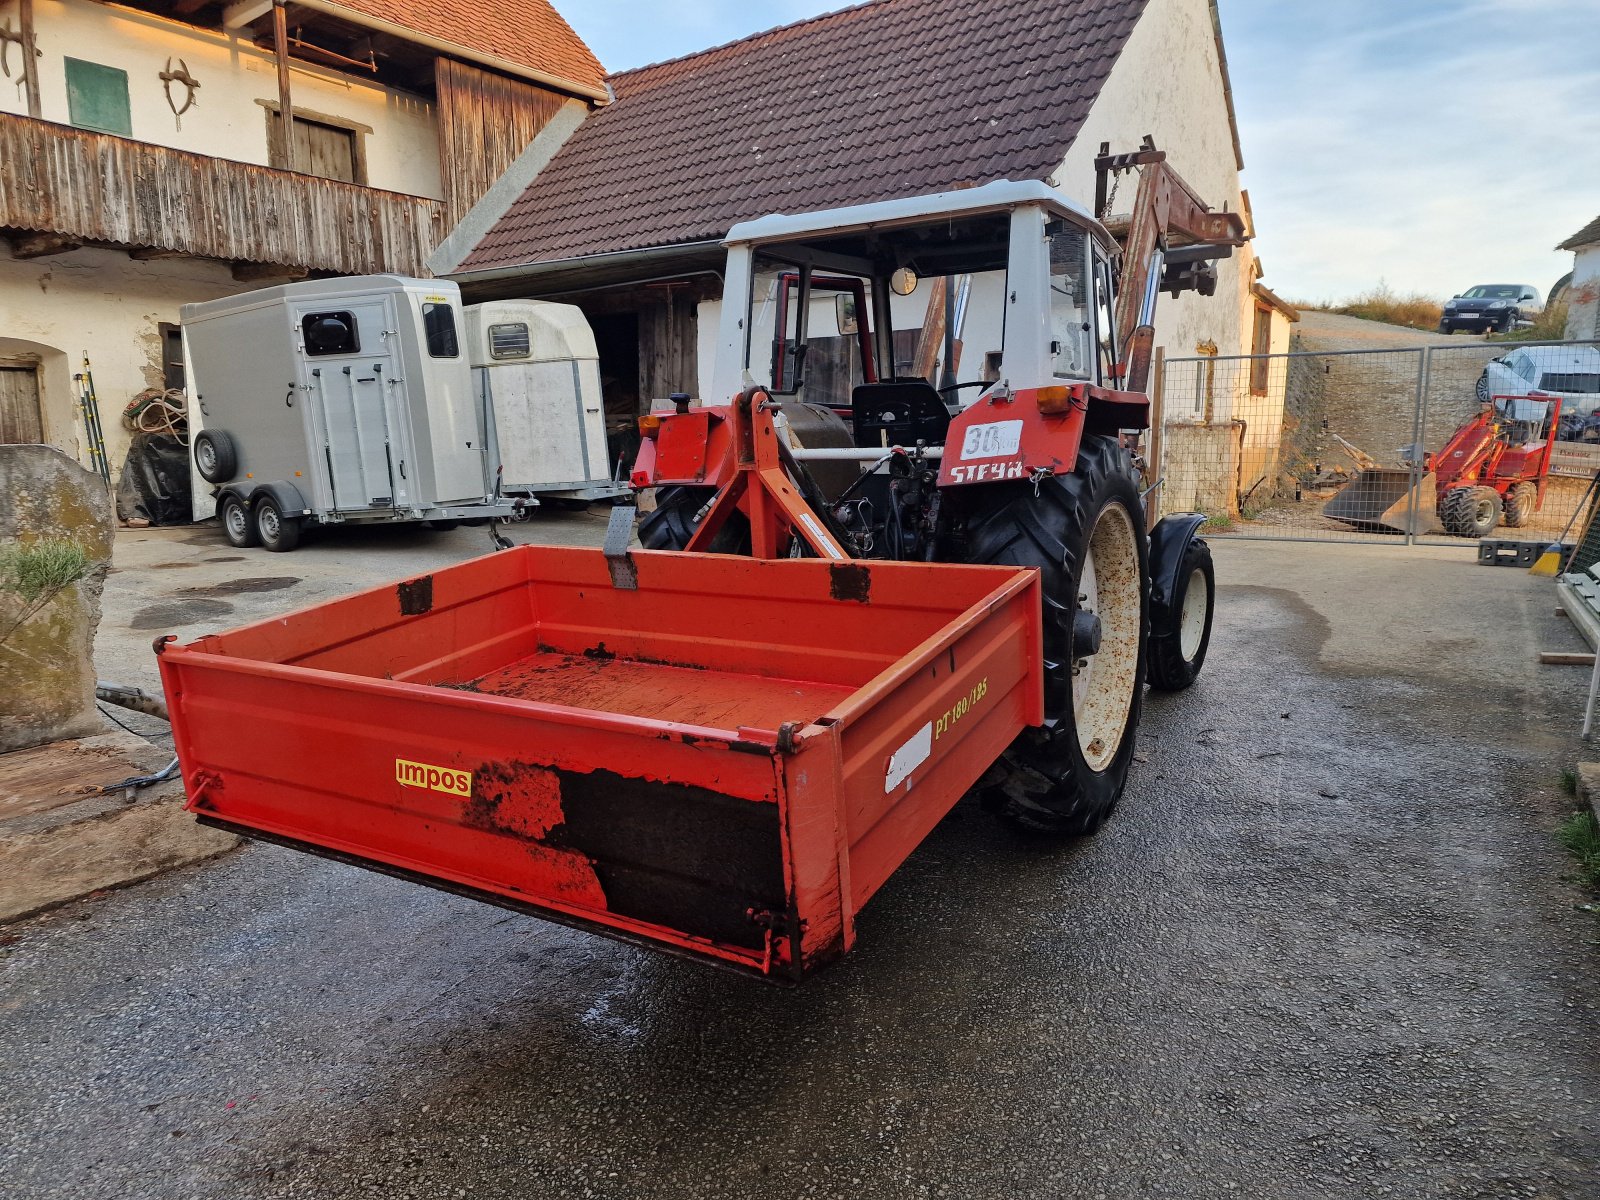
[(287, 495), (1169, 540)]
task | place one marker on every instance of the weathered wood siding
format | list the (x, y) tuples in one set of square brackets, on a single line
[(485, 122), (97, 187)]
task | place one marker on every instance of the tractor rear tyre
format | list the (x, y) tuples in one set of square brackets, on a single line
[(1177, 653), (1470, 511), (676, 516), (1520, 503), (1085, 534)]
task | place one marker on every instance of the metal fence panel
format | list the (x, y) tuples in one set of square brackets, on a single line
[(1328, 445)]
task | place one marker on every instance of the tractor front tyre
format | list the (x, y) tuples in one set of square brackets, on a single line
[(1177, 652), (1470, 511), (1521, 502), (676, 516), (1085, 534)]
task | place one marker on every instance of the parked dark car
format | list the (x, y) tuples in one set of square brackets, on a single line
[(1489, 306)]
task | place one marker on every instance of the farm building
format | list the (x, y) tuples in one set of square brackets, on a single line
[(1583, 293), (899, 97), (146, 166)]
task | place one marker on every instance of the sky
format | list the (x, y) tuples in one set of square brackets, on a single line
[(1427, 144)]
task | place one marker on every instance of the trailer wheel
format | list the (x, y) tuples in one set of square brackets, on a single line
[(1178, 652), (215, 456), (1470, 511), (238, 526), (1520, 504), (676, 516), (276, 531), (1085, 533)]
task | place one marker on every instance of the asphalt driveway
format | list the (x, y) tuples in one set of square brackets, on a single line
[(1326, 948)]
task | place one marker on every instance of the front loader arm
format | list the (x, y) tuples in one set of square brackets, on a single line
[(1163, 206)]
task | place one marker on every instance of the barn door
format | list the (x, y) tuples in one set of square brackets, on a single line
[(21, 422)]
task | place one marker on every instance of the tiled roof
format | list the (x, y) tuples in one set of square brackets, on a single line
[(891, 98), (529, 33), (1587, 236)]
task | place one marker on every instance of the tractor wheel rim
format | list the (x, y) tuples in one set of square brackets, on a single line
[(1192, 618), (236, 519), (1485, 511), (269, 525), (1103, 687)]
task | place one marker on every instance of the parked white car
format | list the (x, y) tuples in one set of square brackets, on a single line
[(1571, 373), (1491, 306)]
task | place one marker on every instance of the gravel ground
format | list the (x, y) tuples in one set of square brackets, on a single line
[(1327, 948)]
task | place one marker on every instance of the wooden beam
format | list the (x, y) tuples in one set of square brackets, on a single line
[(184, 7), (256, 272), (1565, 658), (30, 57), (40, 245), (280, 50), (152, 253), (245, 12)]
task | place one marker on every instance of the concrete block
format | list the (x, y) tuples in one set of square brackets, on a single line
[(59, 840), (47, 660)]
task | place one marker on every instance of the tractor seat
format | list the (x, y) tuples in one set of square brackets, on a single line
[(901, 411)]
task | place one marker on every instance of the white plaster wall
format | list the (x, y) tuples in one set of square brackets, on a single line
[(1168, 83), (1583, 312), (103, 303), (226, 121)]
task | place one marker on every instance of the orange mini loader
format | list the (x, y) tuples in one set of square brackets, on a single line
[(1496, 465), (723, 745)]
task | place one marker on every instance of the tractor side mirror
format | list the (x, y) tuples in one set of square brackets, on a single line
[(1135, 366), (844, 313)]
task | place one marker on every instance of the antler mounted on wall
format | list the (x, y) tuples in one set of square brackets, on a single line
[(190, 85)]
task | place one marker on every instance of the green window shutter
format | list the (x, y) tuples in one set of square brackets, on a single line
[(97, 97)]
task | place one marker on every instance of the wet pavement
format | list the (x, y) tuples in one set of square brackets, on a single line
[(1326, 948)]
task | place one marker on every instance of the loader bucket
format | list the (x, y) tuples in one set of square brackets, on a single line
[(1380, 500)]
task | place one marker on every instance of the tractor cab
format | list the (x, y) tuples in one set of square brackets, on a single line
[(899, 315)]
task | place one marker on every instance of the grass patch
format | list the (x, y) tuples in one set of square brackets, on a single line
[(1580, 834), (1383, 303), (32, 574), (1218, 523), (1551, 326), (1569, 780)]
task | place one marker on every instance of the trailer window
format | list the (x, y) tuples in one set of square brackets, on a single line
[(439, 325), (1071, 343), (330, 333), (509, 341)]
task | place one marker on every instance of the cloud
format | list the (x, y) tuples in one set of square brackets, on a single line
[(1455, 145)]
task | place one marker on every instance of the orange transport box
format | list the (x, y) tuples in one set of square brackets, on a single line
[(725, 761)]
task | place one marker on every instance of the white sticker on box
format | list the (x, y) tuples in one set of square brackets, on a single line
[(908, 758), (994, 440)]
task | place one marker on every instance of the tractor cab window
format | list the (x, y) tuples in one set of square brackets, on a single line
[(875, 305), (1104, 319), (1072, 351)]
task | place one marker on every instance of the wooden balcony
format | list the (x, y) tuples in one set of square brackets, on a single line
[(94, 187)]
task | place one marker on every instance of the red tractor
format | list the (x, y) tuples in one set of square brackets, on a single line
[(1025, 455)]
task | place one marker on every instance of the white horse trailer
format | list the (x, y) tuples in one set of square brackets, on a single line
[(537, 374)]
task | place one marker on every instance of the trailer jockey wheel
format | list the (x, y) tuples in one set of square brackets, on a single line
[(1085, 533), (238, 524), (1181, 634), (276, 531)]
